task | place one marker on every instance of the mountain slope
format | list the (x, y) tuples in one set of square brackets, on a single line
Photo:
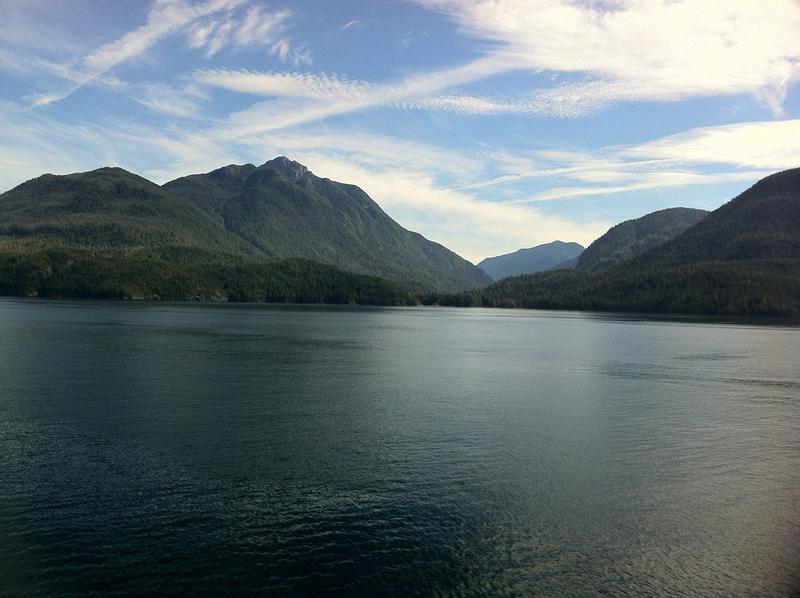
[(742, 259), (108, 209), (761, 223), (77, 273), (633, 237), (533, 259), (284, 210)]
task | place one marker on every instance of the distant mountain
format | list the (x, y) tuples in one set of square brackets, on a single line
[(742, 259), (533, 259), (634, 237), (283, 210), (206, 228)]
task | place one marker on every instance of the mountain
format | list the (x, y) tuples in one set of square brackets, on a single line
[(763, 223), (633, 237), (109, 210), (533, 259), (741, 259), (283, 210), (111, 234), (57, 232)]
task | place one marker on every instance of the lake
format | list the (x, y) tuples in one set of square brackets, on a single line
[(309, 450)]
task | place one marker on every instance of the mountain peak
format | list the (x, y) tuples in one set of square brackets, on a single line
[(231, 174), (292, 170)]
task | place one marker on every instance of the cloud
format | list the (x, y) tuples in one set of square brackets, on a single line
[(746, 151), (471, 227), (769, 145), (643, 50), (287, 85), (648, 181), (564, 102), (165, 18), (168, 100), (329, 95), (352, 24), (633, 51), (255, 28)]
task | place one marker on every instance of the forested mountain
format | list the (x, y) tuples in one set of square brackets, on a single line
[(533, 259), (191, 237), (762, 223), (743, 258), (109, 210), (633, 237), (79, 273), (284, 210)]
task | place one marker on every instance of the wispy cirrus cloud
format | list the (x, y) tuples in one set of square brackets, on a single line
[(352, 23), (257, 27), (165, 18), (744, 151), (634, 51), (329, 95), (308, 86), (171, 101), (647, 181), (642, 50)]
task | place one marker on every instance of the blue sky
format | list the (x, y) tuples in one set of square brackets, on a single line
[(486, 125)]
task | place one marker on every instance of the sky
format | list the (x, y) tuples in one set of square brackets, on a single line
[(485, 125)]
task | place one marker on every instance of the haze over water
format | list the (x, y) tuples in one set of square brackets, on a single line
[(152, 448)]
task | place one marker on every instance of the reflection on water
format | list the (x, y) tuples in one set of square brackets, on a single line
[(311, 450)]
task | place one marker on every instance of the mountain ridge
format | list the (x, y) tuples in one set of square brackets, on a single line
[(741, 259), (284, 210), (633, 237), (273, 212), (531, 259)]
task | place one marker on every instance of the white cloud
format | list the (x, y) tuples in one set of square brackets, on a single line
[(563, 102), (165, 18), (648, 181), (353, 23), (643, 49), (168, 100), (255, 28), (769, 145), (330, 96), (291, 85), (748, 150)]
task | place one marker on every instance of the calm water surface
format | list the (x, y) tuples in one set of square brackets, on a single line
[(222, 449)]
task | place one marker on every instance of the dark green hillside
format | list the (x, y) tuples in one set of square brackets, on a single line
[(533, 259), (741, 259), (109, 210), (71, 273), (138, 236), (761, 223), (755, 287), (634, 237), (283, 210)]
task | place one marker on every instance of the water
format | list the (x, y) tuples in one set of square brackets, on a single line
[(223, 449)]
